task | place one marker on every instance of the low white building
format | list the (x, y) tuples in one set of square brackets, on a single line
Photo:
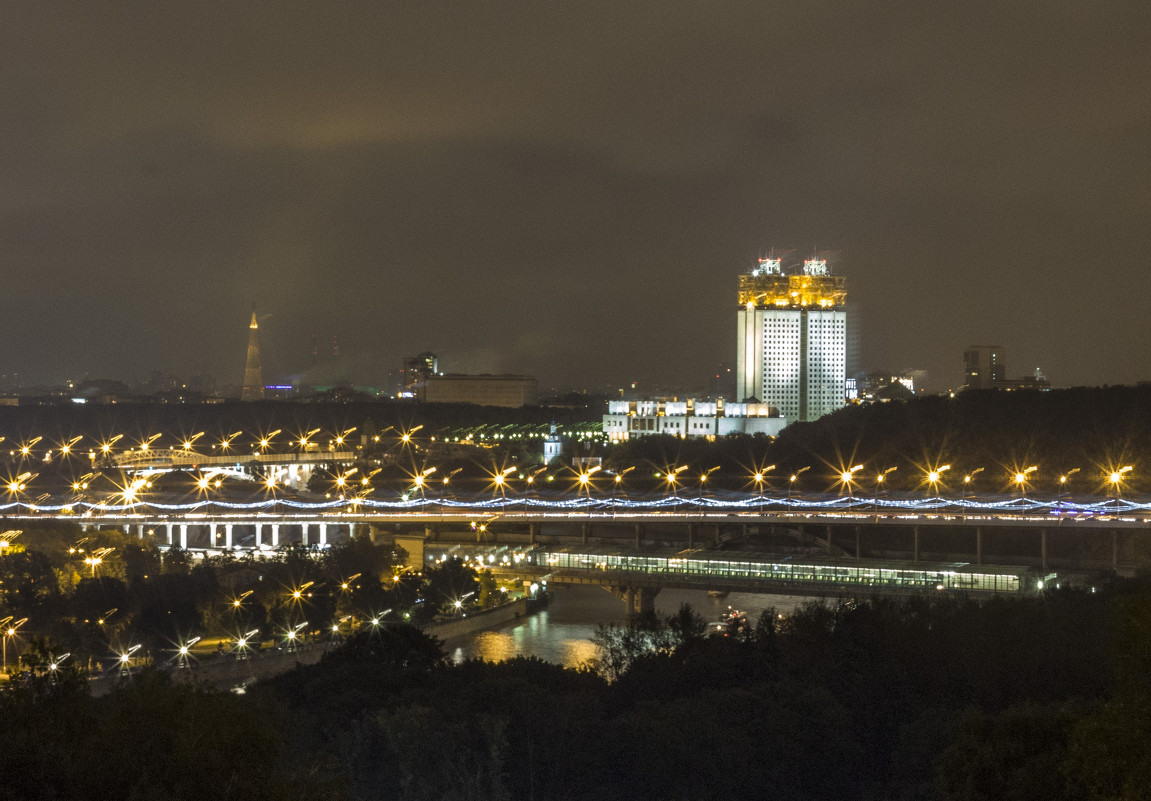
[(689, 418)]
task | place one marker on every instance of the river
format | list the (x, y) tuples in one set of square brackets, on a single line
[(562, 633)]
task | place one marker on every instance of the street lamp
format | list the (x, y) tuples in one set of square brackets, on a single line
[(190, 441), (305, 437), (10, 630), (703, 478), (1116, 479), (126, 659), (584, 478), (96, 558), (617, 482), (880, 479), (847, 478), (795, 477), (967, 479), (226, 442), (182, 652), (342, 435), (673, 476), (66, 447), (26, 447), (1021, 479), (242, 641), (934, 476), (266, 439), (106, 447)]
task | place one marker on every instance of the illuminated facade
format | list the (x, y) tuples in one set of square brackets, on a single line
[(689, 418), (253, 371), (792, 339)]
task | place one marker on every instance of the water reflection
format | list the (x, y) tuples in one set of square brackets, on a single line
[(562, 634)]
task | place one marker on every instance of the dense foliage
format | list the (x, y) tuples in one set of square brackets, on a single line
[(927, 698)]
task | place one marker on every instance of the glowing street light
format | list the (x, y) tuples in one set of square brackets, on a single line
[(305, 437), (106, 447), (182, 653), (190, 441), (795, 477), (406, 437), (1021, 479), (242, 647), (1063, 478), (126, 658), (584, 478), (935, 475), (673, 475), (343, 435), (10, 630), (66, 446), (880, 479), (226, 442), (266, 439), (1116, 479), (238, 601), (26, 447), (847, 477)]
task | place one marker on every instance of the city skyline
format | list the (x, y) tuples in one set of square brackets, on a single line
[(566, 192)]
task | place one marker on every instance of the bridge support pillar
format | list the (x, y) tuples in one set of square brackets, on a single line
[(638, 535), (645, 600), (638, 600), (259, 527), (585, 529), (691, 535), (275, 535), (533, 533), (303, 533), (915, 551), (979, 545), (1043, 549), (829, 544), (228, 536), (140, 531), (323, 533), (184, 536), (168, 532), (859, 542)]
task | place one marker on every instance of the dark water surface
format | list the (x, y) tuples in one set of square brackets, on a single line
[(562, 633)]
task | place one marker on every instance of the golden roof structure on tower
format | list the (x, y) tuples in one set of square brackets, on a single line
[(767, 287)]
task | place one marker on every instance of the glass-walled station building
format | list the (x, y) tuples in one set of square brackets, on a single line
[(751, 572)]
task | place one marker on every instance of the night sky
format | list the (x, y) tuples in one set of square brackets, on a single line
[(567, 189)]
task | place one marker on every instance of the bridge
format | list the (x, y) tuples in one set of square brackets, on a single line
[(286, 469), (1097, 533)]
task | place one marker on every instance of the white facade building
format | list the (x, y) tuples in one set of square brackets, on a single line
[(689, 418), (792, 339)]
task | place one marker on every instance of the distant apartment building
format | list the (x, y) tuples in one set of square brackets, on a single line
[(985, 367), (689, 418)]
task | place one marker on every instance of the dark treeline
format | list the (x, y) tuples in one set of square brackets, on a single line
[(1093, 429), (926, 698)]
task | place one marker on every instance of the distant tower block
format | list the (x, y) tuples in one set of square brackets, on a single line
[(253, 372)]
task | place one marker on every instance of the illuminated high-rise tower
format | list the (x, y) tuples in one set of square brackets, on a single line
[(792, 338), (253, 372)]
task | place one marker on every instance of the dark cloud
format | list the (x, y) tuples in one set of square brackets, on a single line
[(567, 189)]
